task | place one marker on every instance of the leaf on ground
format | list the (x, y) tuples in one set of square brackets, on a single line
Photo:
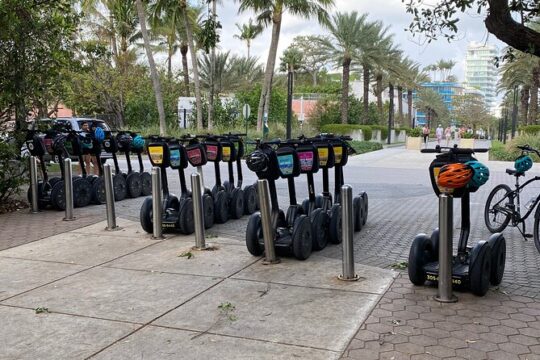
[(187, 254), (400, 265), (40, 310)]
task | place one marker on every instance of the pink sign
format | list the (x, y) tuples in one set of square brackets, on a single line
[(306, 160)]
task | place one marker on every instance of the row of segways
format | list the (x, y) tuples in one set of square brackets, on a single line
[(87, 189), (224, 201), (317, 221)]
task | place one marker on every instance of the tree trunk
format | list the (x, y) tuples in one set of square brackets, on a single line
[(153, 71), (524, 108), (169, 64), (185, 69), (314, 75), (379, 94), (391, 108), (248, 47), (113, 37), (400, 104), (533, 108), (345, 90), (266, 91), (193, 51), (212, 75), (409, 106), (366, 93)]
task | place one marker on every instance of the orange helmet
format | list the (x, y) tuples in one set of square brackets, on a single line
[(454, 176)]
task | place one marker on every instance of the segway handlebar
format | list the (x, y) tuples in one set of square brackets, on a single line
[(442, 149)]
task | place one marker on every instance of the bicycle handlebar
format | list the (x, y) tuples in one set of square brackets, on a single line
[(528, 148)]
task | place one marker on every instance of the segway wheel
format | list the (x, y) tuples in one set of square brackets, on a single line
[(208, 207), (82, 192), (365, 203), (54, 180), (258, 207), (420, 254), (146, 215), (319, 201), (358, 213), (335, 224), (58, 198), (120, 187), (305, 206), (91, 179), (302, 242), (41, 204), (228, 186), (221, 207), (435, 243), (134, 185), (498, 258), (146, 180), (98, 191), (237, 203), (319, 228), (480, 268), (292, 214), (250, 200), (186, 221), (254, 234)]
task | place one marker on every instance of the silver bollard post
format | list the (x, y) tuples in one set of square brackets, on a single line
[(109, 198), (68, 189), (446, 223), (156, 203), (201, 174), (198, 213), (266, 222), (34, 185), (347, 233)]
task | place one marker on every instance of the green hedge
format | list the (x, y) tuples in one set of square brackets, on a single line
[(530, 129), (362, 147), (347, 129), (383, 129), (510, 152)]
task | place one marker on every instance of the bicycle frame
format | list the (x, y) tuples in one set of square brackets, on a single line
[(515, 213)]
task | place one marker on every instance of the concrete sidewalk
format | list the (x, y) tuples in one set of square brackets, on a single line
[(122, 295)]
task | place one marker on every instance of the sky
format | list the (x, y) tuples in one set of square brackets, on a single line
[(390, 12)]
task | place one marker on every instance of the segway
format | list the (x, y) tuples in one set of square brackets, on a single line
[(119, 181), (196, 155), (178, 161), (137, 146), (82, 186), (456, 173), (221, 198), (91, 144), (229, 155), (292, 235), (160, 156), (133, 178)]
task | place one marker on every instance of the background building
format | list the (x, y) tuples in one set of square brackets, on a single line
[(481, 72), (447, 90)]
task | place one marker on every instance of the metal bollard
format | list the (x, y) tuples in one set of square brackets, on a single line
[(446, 223), (68, 189), (201, 174), (347, 233), (109, 198), (266, 222), (198, 212), (34, 185), (156, 203)]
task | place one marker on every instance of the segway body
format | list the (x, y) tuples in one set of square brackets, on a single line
[(229, 155), (119, 181), (133, 178), (219, 194), (196, 155)]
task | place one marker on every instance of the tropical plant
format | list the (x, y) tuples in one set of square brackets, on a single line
[(433, 105), (291, 60), (248, 33), (271, 12), (221, 77), (414, 78), (313, 59)]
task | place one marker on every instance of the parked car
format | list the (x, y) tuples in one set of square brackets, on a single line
[(66, 124)]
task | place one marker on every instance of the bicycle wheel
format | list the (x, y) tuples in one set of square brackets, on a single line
[(536, 230), (495, 219)]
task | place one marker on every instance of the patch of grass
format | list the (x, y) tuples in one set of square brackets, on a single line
[(187, 254), (362, 147), (510, 152), (227, 310), (400, 265)]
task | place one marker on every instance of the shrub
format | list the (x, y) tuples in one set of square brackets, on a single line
[(11, 171), (530, 129), (468, 135), (415, 132), (362, 147), (347, 129), (383, 129)]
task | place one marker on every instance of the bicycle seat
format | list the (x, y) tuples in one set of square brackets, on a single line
[(514, 172)]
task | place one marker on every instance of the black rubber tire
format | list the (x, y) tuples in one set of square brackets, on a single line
[(253, 234), (480, 268), (236, 204), (536, 229), (258, 206), (365, 203), (58, 199), (305, 207), (146, 180), (228, 186), (489, 212), (186, 220), (357, 213), (82, 192), (41, 204), (498, 258), (319, 201), (134, 185), (54, 180), (293, 212), (420, 254), (435, 243), (250, 200), (209, 209), (221, 207), (319, 228), (98, 191), (302, 241), (91, 179), (145, 216), (335, 224), (119, 187)]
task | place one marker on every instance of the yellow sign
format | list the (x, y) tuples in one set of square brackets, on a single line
[(156, 154), (323, 156), (338, 154), (226, 153)]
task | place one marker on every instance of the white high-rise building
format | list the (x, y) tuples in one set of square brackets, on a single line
[(481, 72)]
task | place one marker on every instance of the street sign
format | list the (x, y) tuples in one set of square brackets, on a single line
[(246, 111)]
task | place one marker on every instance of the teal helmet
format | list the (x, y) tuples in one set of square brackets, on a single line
[(99, 135), (480, 174), (138, 142), (523, 163)]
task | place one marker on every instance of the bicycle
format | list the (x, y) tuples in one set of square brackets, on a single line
[(503, 205)]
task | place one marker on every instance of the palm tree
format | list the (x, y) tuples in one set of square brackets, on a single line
[(248, 33), (221, 68), (244, 72), (271, 11), (432, 104), (292, 59), (153, 71), (342, 48), (413, 81)]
